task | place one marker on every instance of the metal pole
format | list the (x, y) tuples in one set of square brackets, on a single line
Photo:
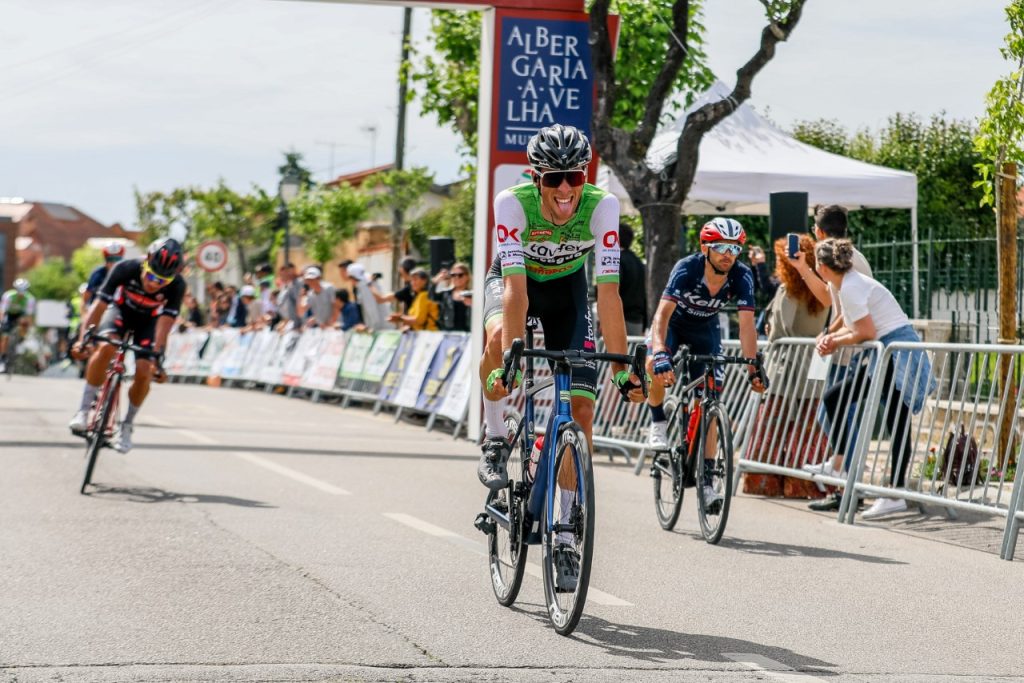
[(287, 233), (397, 218)]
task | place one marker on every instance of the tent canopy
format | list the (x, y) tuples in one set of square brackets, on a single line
[(745, 158)]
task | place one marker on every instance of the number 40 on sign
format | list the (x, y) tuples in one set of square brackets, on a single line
[(212, 256)]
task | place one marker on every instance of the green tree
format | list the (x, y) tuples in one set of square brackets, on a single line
[(293, 164), (244, 221), (454, 218), (1000, 135), (52, 279), (159, 214), (403, 189), (323, 217), (84, 260)]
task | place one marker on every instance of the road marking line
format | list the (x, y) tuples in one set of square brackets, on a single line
[(291, 474), (598, 596), (777, 671), (271, 465)]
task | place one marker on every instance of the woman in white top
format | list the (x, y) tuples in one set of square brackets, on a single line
[(870, 312)]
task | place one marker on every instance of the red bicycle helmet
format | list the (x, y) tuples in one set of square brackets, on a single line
[(720, 229)]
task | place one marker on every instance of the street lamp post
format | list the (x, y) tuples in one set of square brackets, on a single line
[(287, 190)]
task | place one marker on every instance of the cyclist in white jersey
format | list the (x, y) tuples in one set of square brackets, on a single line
[(544, 232)]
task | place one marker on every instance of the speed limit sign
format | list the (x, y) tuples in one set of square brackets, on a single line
[(212, 256)]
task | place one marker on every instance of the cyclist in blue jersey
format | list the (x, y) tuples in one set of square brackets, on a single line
[(699, 286), (112, 253)]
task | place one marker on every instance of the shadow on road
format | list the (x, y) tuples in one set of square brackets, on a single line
[(149, 494), (789, 550), (661, 646)]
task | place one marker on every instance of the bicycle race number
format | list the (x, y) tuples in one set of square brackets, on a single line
[(212, 256)]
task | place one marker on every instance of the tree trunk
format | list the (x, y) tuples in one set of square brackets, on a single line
[(1006, 223), (662, 222), (243, 267)]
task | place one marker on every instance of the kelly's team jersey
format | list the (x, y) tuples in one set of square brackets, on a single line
[(544, 251), (123, 287), (687, 289)]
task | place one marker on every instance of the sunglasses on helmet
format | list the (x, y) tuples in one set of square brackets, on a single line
[(553, 179), (723, 248), (149, 276)]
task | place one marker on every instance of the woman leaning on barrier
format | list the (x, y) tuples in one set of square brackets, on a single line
[(786, 432), (871, 312)]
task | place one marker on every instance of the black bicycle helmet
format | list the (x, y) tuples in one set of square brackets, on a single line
[(166, 257), (558, 147)]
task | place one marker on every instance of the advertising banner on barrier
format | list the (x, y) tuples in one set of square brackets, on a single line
[(182, 351), (264, 346), (274, 369), (391, 382), (322, 374), (214, 345), (381, 355), (228, 348), (234, 356), (356, 351), (423, 351), (445, 359), (458, 389), (301, 358)]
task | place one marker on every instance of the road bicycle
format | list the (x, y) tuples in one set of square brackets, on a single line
[(549, 500), (690, 463), (103, 416)]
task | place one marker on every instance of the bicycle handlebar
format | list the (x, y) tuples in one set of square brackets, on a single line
[(92, 335), (683, 356), (636, 361)]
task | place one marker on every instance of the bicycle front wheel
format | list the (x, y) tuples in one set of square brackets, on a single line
[(568, 530), (714, 474), (506, 547), (667, 476), (103, 418)]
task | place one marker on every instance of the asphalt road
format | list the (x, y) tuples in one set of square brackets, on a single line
[(253, 537)]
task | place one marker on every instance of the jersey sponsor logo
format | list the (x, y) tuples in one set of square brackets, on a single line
[(546, 251), (609, 260), (505, 234), (541, 233), (698, 305), (611, 240)]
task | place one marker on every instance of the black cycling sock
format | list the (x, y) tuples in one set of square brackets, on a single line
[(658, 413)]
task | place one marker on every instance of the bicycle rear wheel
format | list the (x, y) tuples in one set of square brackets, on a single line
[(506, 547), (100, 426), (569, 539), (714, 515), (667, 476)]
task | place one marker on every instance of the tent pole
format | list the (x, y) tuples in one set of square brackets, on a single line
[(916, 279)]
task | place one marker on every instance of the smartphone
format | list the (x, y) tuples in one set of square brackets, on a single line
[(794, 244), (466, 292)]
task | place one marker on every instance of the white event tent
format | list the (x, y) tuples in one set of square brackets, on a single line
[(745, 158)]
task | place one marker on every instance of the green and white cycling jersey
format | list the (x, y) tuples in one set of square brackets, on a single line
[(15, 303), (544, 251)]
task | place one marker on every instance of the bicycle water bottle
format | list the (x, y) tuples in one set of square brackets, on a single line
[(538, 448)]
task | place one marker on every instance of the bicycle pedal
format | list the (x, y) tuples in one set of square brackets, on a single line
[(485, 524), (715, 508)]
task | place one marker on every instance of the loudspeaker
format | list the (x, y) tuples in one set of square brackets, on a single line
[(442, 253), (787, 212)]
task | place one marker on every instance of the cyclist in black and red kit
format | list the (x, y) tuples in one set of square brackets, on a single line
[(142, 295)]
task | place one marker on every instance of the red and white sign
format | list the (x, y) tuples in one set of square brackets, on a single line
[(212, 256)]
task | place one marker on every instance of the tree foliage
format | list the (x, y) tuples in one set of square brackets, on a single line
[(161, 214), (244, 221), (404, 188), (323, 217), (52, 279), (1001, 132), (293, 165), (454, 218)]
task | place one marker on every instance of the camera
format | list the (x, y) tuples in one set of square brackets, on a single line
[(377, 276)]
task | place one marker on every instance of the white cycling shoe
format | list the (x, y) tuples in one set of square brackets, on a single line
[(123, 443), (658, 439), (79, 422)]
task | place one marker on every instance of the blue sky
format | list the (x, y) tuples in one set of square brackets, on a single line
[(103, 96)]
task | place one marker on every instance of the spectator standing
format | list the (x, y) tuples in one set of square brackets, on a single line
[(288, 298), (374, 314), (253, 306), (405, 294), (871, 312), (320, 310), (454, 301), (347, 310), (632, 284), (191, 314), (237, 313), (794, 311), (422, 314)]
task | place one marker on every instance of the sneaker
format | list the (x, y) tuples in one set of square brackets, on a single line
[(79, 422), (828, 504), (885, 506), (491, 470), (123, 444), (567, 568), (658, 439), (824, 467)]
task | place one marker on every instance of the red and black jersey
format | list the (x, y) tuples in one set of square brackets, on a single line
[(123, 287)]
